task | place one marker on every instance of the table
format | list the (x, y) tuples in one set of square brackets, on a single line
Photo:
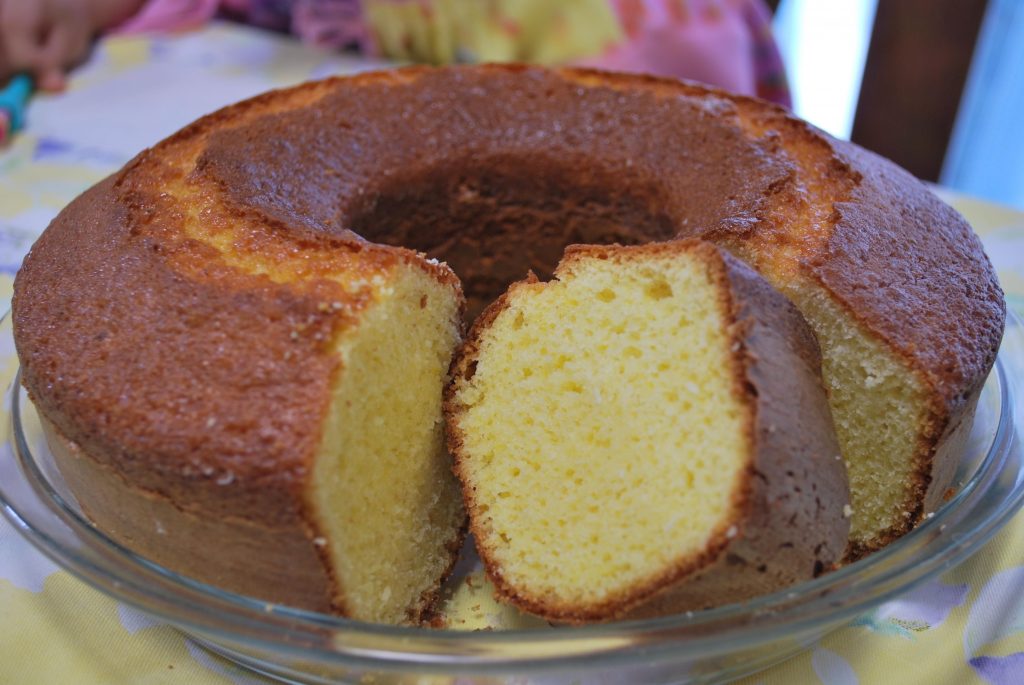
[(967, 626)]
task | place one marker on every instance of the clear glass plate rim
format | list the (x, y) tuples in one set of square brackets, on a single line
[(844, 583)]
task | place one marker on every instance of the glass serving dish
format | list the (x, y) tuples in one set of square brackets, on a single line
[(709, 646)]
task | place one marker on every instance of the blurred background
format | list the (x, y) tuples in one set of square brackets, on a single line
[(936, 85)]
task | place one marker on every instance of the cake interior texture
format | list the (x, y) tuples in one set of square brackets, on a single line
[(878, 409), (387, 507), (879, 406), (605, 436), (382, 487)]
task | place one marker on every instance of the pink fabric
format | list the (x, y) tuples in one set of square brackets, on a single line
[(703, 40), (170, 15), (332, 24), (727, 43), (326, 23)]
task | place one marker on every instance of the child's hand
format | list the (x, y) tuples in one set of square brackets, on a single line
[(45, 38)]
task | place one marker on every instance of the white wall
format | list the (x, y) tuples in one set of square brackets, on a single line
[(824, 44)]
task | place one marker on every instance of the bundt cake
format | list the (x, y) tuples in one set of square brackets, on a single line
[(647, 433), (237, 333)]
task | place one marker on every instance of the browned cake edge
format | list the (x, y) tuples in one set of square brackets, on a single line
[(155, 443), (955, 373), (776, 367)]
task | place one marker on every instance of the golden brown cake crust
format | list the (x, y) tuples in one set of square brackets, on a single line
[(909, 268), (922, 281), (184, 385), (788, 522), (147, 336), (676, 160), (497, 168), (250, 557), (198, 384)]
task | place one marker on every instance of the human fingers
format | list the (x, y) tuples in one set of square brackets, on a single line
[(66, 45), (4, 62), (22, 33), (52, 81)]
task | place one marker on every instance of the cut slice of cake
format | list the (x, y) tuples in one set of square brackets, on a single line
[(644, 434), (279, 433)]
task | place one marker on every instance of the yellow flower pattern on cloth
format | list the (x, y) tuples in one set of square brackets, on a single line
[(79, 636), (446, 31), (967, 626)]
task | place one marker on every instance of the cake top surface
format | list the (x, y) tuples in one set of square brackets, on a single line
[(177, 295)]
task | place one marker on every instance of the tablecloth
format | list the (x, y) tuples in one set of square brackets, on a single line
[(967, 626)]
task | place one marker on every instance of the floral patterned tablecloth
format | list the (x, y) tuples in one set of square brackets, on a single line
[(967, 626)]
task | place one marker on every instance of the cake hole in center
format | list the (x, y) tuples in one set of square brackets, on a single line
[(494, 220)]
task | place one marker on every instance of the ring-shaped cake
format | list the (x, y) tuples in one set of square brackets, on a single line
[(240, 341)]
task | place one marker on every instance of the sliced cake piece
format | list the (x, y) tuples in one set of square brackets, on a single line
[(646, 433), (278, 434)]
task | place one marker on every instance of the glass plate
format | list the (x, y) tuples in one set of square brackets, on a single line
[(716, 645)]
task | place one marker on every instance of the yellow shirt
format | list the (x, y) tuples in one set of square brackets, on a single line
[(538, 31)]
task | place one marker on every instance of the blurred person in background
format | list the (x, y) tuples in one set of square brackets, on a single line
[(726, 43)]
